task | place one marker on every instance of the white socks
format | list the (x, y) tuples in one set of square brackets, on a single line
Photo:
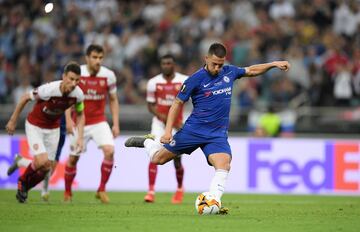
[(152, 147), (217, 186), (23, 162)]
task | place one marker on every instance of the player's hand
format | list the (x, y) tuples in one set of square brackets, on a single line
[(70, 125), (166, 138), (282, 65), (10, 127), (116, 131)]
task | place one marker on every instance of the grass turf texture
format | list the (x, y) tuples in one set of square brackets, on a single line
[(128, 212)]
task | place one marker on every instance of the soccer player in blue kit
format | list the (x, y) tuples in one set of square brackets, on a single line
[(210, 89)]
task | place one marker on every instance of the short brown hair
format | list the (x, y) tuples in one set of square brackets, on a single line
[(94, 48), (217, 49), (72, 66)]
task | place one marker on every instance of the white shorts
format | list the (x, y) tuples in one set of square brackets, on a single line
[(42, 140), (99, 132), (158, 129)]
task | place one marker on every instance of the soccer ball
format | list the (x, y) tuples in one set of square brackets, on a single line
[(206, 204)]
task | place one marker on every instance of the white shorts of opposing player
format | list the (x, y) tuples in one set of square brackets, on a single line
[(42, 140), (100, 133)]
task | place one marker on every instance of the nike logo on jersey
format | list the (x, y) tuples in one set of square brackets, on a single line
[(206, 85)]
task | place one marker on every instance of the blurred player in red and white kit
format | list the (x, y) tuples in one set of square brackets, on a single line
[(42, 125), (97, 83), (161, 92)]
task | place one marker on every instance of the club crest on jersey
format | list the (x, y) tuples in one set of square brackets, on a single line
[(102, 83), (226, 79), (172, 143)]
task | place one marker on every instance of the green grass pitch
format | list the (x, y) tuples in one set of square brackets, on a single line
[(128, 212)]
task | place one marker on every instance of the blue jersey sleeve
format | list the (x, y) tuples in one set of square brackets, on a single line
[(187, 88), (239, 72)]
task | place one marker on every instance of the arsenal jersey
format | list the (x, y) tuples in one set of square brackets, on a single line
[(96, 89), (163, 93), (51, 104)]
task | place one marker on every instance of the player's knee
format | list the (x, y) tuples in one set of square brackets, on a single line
[(108, 151), (227, 167), (40, 161), (73, 160), (222, 165), (47, 165), (161, 159), (158, 160)]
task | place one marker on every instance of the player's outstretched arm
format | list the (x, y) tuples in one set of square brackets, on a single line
[(172, 116), (258, 69), (11, 125), (115, 109)]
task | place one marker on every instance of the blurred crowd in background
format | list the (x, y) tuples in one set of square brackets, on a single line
[(320, 38)]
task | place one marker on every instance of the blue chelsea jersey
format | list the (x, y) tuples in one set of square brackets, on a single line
[(211, 98)]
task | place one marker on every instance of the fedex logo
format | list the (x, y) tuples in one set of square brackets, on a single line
[(330, 166)]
